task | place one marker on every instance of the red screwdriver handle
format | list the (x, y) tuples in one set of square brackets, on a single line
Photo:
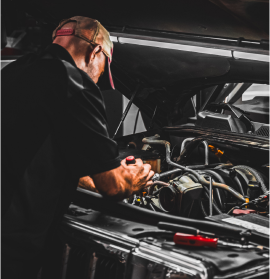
[(192, 240), (130, 160)]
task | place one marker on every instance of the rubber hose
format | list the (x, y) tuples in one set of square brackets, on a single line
[(216, 175), (236, 179), (215, 189), (256, 174), (127, 211), (214, 202), (221, 180)]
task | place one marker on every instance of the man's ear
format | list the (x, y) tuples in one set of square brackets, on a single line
[(96, 50)]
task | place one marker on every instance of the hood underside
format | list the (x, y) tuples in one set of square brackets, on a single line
[(164, 75), (222, 18)]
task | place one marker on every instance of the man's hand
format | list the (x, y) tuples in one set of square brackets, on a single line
[(87, 183), (140, 174), (125, 180)]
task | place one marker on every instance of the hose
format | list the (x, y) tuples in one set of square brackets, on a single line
[(214, 166), (193, 167), (205, 143), (236, 179), (255, 174), (214, 202), (216, 175), (127, 211), (159, 176), (217, 191), (200, 178), (188, 149), (160, 183)]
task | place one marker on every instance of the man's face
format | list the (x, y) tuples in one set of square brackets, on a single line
[(96, 66)]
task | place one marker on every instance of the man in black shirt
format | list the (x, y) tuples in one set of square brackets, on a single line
[(54, 131)]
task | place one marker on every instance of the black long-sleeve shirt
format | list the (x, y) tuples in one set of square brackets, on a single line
[(54, 131)]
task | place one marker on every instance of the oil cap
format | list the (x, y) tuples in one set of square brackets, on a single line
[(130, 160)]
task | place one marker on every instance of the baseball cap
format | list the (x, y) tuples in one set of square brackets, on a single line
[(93, 32)]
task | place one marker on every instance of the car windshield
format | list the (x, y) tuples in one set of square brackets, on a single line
[(254, 101)]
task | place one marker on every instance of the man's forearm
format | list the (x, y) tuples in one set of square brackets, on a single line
[(87, 183), (122, 182)]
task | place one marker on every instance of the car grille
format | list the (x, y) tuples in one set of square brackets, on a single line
[(108, 268)]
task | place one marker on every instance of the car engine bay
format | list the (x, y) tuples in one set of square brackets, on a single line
[(191, 168), (174, 222)]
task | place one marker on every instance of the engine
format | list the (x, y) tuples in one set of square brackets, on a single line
[(185, 187)]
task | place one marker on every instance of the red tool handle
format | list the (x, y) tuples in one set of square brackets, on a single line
[(192, 240), (130, 160)]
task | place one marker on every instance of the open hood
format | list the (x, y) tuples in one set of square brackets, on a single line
[(167, 51), (220, 18)]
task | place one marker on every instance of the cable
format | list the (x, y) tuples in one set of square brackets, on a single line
[(214, 202), (219, 178), (236, 179), (255, 174)]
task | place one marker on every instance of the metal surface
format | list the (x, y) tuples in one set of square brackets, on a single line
[(241, 140), (117, 238), (205, 148), (253, 272), (182, 263), (246, 18), (141, 249), (148, 252)]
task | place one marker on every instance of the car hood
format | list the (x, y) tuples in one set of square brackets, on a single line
[(222, 18), (165, 51)]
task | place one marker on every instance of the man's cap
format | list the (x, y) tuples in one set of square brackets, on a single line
[(93, 32)]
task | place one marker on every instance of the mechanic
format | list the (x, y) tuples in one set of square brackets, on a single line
[(54, 132)]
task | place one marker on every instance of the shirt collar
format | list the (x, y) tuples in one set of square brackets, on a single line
[(61, 53)]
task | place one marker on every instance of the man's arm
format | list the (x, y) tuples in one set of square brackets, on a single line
[(121, 182), (87, 183)]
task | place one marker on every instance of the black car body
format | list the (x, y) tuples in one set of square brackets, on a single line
[(186, 66)]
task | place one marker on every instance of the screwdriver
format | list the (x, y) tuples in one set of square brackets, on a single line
[(194, 237), (200, 241), (183, 229)]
